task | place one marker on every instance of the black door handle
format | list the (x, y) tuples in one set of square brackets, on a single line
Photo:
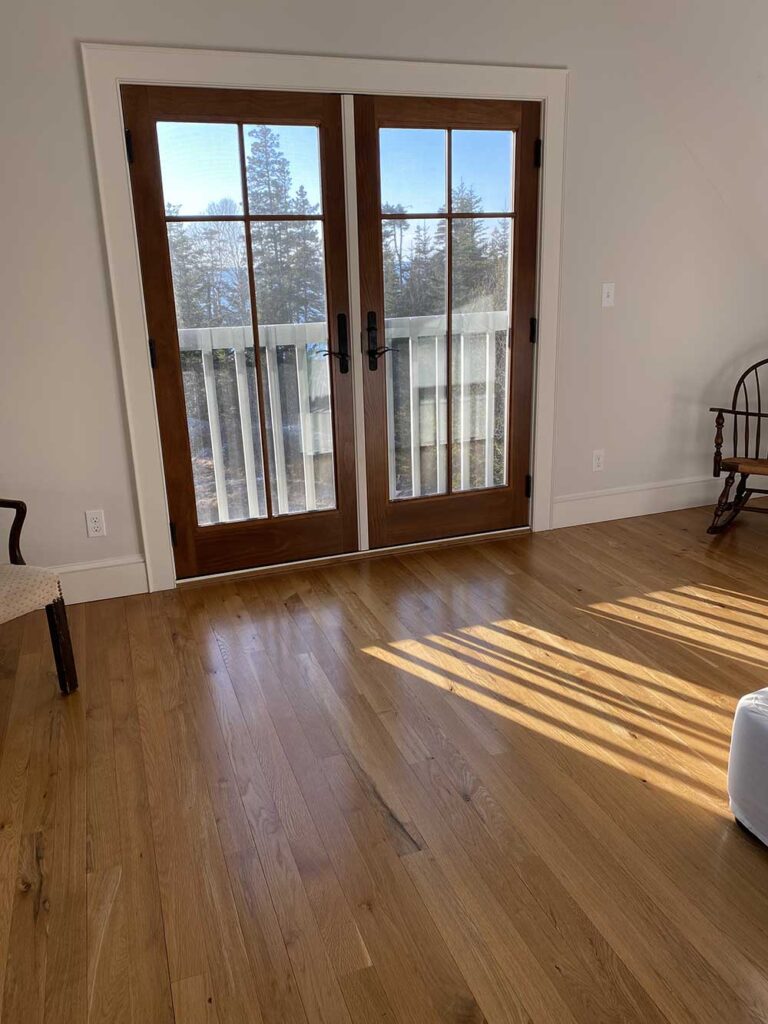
[(373, 351), (342, 352)]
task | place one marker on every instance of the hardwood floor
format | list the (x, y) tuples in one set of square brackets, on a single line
[(477, 784)]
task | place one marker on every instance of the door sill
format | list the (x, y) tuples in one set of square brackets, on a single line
[(351, 556)]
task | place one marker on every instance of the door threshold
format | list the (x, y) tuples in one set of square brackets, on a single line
[(352, 556)]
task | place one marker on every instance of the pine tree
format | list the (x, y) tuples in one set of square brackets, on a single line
[(307, 266), (424, 289), (230, 264), (498, 265), (268, 175), (187, 271), (469, 245), (392, 242)]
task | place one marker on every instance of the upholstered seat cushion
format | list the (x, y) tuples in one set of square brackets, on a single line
[(748, 763), (23, 588)]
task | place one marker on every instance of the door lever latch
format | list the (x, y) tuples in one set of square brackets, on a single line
[(342, 352), (373, 351)]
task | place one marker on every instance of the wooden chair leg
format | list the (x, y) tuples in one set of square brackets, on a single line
[(730, 509), (722, 506), (741, 497), (61, 642)]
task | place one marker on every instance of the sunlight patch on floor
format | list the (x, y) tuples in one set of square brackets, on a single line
[(646, 721), (703, 619)]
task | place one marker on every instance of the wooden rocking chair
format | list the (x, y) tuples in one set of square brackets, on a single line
[(746, 410)]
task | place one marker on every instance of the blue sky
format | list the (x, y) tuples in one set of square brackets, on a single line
[(413, 167), (200, 164)]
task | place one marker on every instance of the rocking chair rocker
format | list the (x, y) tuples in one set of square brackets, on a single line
[(745, 460)]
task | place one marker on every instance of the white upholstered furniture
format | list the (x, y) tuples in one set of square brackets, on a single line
[(748, 764), (25, 588)]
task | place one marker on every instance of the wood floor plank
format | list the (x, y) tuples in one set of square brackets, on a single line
[(178, 871), (255, 679), (150, 987), (14, 777), (218, 714), (24, 997), (450, 996), (109, 990), (365, 997), (11, 636), (193, 1001), (312, 969), (231, 984), (66, 973), (396, 975)]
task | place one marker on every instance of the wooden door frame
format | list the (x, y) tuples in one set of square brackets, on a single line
[(107, 66), (455, 512), (247, 543)]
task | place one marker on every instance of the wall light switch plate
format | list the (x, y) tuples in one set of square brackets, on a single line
[(609, 295)]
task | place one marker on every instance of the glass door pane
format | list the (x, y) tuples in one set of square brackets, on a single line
[(416, 325), (201, 178), (446, 259), (482, 176), (481, 261), (227, 250)]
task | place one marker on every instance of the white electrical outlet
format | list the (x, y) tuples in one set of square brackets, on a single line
[(94, 523), (609, 295), (598, 460)]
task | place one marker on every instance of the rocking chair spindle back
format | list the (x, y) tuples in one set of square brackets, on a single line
[(747, 416)]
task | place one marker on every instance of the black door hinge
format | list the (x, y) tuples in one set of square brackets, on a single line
[(172, 527), (538, 152), (528, 485), (129, 145), (533, 336), (152, 354)]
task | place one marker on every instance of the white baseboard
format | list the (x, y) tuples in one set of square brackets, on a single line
[(625, 502), (119, 577), (96, 581)]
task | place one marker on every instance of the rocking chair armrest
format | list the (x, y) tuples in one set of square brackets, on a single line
[(14, 537), (739, 412)]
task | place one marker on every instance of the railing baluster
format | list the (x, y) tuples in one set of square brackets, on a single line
[(413, 380), (490, 352), (219, 469), (307, 444), (268, 335), (439, 378), (246, 426), (507, 382), (389, 364), (463, 443)]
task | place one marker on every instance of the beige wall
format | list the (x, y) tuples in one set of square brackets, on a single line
[(664, 194)]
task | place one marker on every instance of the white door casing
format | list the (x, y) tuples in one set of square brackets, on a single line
[(108, 66)]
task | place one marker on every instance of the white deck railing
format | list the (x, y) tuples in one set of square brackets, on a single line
[(316, 436), (426, 387), (428, 377)]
